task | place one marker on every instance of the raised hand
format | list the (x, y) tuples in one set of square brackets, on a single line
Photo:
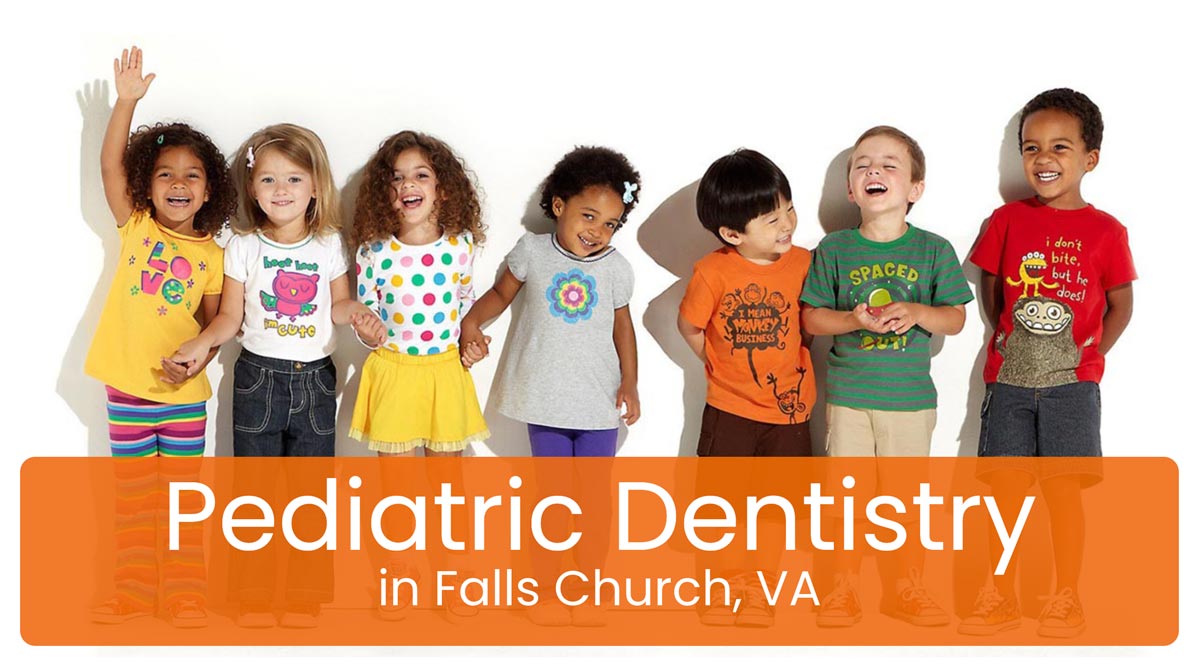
[(127, 71)]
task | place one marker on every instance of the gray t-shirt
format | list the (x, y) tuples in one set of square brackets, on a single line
[(561, 367)]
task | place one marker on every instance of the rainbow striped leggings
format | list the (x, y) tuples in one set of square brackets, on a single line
[(138, 427)]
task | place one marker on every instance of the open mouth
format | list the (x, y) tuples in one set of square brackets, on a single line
[(875, 188), (1047, 176), (282, 202), (590, 245), (1033, 270), (411, 201), (786, 238), (179, 201)]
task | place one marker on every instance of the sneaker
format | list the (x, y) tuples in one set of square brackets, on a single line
[(754, 611), (188, 614), (719, 613), (255, 616), (454, 606), (992, 613), (301, 615), (913, 604), (1062, 617), (550, 613), (841, 608), (115, 612), (588, 616)]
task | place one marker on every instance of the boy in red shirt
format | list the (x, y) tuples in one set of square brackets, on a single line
[(1057, 289)]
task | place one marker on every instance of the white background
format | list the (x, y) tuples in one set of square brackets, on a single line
[(513, 85)]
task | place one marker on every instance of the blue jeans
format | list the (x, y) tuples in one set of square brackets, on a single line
[(1050, 421), (282, 407)]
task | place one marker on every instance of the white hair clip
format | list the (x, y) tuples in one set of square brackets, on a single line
[(630, 188), (249, 157)]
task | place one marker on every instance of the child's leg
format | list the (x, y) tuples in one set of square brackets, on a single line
[(902, 434), (596, 443), (550, 441)]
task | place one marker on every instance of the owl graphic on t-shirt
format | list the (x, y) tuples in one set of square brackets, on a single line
[(292, 294)]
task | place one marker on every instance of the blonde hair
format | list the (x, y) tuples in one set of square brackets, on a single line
[(302, 147)]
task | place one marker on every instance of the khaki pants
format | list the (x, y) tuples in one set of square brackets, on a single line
[(857, 432)]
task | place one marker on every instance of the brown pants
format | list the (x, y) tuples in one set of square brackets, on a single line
[(726, 434)]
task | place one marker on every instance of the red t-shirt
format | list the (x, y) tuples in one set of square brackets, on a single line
[(1055, 267)]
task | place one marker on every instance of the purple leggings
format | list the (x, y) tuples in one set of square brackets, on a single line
[(554, 441)]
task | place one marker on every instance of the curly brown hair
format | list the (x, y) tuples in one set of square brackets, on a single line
[(142, 152), (458, 209)]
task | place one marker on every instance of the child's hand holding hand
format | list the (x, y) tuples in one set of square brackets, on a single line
[(473, 352), (368, 327), (127, 71), (176, 373), (190, 354), (868, 321), (901, 316), (627, 397)]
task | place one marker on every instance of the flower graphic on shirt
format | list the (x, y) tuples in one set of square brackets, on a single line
[(191, 283), (572, 296), (134, 291), (132, 259), (146, 242), (203, 266), (162, 310)]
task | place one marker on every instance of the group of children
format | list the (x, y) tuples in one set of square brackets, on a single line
[(881, 290)]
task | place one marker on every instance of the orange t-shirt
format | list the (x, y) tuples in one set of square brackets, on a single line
[(756, 361)]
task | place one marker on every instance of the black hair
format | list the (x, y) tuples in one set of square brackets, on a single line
[(738, 188), (1074, 103), (588, 166), (142, 151)]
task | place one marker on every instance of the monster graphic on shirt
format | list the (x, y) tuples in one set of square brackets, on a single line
[(292, 294), (1041, 350), (755, 320)]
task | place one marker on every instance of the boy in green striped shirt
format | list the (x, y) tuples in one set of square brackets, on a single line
[(882, 290)]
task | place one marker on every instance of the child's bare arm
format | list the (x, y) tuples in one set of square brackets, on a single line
[(830, 322), (348, 310), (219, 327), (131, 87), (494, 302), (991, 295), (944, 320), (174, 372), (692, 335), (626, 343), (1116, 318)]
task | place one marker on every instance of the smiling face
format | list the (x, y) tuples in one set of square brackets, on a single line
[(766, 237), (415, 188), (283, 190), (178, 187), (1055, 157), (586, 222), (881, 177)]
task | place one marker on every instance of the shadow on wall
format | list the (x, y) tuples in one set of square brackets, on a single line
[(674, 238)]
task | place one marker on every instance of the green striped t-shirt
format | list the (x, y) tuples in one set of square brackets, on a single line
[(883, 371)]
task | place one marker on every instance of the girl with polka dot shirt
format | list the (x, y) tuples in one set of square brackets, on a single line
[(417, 221)]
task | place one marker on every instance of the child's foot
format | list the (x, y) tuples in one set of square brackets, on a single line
[(992, 613), (719, 613), (300, 615), (841, 608), (913, 604), (397, 609), (115, 612), (188, 614), (1062, 617), (455, 607), (256, 616), (754, 611), (551, 613)]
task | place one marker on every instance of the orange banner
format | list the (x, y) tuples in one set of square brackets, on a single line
[(625, 551)]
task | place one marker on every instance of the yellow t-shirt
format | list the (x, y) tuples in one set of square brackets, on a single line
[(150, 310)]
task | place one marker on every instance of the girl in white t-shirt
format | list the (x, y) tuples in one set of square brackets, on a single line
[(285, 288)]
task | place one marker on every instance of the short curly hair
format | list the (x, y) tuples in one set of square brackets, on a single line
[(458, 211), (589, 166), (142, 152), (738, 188), (1071, 102)]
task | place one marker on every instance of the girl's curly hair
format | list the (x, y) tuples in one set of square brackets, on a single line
[(585, 167), (140, 155), (458, 209)]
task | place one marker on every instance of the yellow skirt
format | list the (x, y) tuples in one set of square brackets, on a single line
[(407, 401)]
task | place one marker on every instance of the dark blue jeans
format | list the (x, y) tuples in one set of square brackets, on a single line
[(282, 407)]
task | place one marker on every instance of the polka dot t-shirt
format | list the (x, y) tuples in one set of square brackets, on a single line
[(420, 292)]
